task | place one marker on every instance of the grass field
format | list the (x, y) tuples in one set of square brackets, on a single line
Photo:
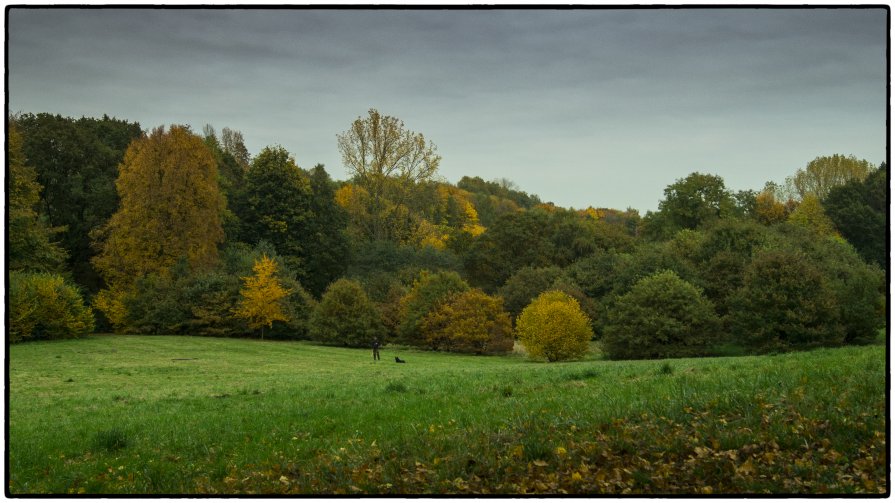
[(166, 415)]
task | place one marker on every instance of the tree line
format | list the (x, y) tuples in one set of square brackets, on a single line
[(170, 231)]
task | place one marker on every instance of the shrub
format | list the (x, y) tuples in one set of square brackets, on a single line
[(346, 316), (662, 316), (111, 305), (470, 322), (429, 290), (554, 327), (785, 303), (155, 306), (44, 306), (211, 299)]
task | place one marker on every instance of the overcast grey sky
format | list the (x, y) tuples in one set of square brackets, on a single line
[(582, 107)]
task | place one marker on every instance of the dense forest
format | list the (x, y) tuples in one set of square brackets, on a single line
[(113, 228)]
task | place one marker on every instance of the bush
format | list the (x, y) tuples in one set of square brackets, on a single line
[(346, 316), (470, 322), (785, 303), (554, 327), (428, 291), (155, 306), (662, 316), (212, 298), (44, 306)]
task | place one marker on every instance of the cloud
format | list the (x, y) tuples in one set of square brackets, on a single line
[(601, 107)]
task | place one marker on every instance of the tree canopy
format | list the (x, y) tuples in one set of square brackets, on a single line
[(823, 173)]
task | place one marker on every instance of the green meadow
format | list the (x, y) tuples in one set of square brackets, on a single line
[(116, 414)]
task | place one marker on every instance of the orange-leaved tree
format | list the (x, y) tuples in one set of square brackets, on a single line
[(261, 299)]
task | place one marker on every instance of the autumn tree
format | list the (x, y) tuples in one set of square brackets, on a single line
[(554, 327), (261, 301), (810, 215), (469, 322), (170, 208), (820, 175), (44, 306), (386, 161), (428, 291), (768, 210), (30, 244)]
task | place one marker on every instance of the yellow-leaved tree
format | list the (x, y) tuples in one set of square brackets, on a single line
[(554, 327), (261, 299), (170, 210)]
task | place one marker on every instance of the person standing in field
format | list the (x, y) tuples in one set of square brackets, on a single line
[(375, 349)]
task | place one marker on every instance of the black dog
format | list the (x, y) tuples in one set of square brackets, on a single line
[(398, 360)]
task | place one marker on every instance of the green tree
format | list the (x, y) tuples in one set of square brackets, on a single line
[(525, 285), (261, 298), (662, 316), (554, 327), (346, 316), (824, 173), (170, 209), (692, 202), (29, 246), (859, 211), (327, 244), (275, 206), (387, 161), (76, 161), (723, 255), (859, 288), (469, 322), (541, 237), (428, 291), (785, 303), (210, 298)]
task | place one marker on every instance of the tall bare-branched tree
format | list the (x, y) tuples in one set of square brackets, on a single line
[(387, 161)]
